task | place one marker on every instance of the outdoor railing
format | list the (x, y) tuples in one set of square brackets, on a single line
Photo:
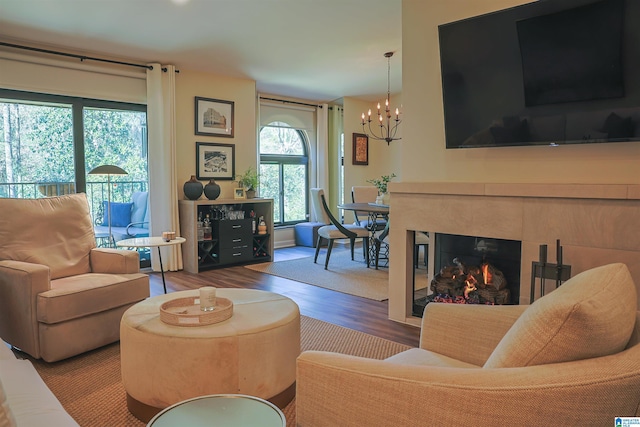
[(97, 191)]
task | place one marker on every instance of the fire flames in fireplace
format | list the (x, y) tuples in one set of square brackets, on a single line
[(463, 284)]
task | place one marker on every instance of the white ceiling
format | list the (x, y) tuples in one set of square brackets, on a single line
[(317, 50)]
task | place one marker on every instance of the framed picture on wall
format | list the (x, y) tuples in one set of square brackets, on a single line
[(360, 149), (215, 161), (214, 117)]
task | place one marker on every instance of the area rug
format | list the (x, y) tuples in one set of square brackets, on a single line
[(343, 274), (90, 389)]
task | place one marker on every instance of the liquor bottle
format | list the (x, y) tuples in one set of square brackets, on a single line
[(262, 226), (200, 229), (207, 228), (252, 214)]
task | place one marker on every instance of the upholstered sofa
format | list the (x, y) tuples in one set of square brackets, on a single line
[(60, 295), (25, 400), (570, 358)]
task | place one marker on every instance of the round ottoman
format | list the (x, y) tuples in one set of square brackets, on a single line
[(253, 353)]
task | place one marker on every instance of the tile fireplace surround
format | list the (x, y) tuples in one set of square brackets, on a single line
[(596, 223)]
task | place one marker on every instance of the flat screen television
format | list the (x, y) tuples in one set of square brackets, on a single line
[(544, 73)]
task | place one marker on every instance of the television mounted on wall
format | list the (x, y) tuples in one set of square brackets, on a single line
[(545, 73)]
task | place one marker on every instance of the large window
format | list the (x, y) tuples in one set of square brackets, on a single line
[(37, 148), (284, 171), (49, 144)]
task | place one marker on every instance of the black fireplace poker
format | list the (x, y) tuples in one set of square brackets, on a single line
[(543, 270)]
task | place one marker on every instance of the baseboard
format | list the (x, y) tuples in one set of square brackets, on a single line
[(284, 244)]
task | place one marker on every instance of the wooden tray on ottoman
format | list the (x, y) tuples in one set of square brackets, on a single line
[(186, 312)]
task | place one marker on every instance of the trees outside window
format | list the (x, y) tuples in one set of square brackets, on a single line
[(284, 171), (37, 142), (49, 143)]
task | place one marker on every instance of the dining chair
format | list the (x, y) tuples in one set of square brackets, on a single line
[(421, 239), (335, 230), (366, 194)]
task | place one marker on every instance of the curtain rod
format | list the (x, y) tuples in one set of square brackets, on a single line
[(291, 102), (80, 57)]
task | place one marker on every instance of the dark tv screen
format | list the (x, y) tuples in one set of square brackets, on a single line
[(573, 55), (545, 73)]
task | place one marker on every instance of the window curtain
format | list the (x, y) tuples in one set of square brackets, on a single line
[(32, 72), (335, 130), (163, 182), (322, 147), (322, 151)]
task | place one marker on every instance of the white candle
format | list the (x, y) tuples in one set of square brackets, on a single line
[(207, 298)]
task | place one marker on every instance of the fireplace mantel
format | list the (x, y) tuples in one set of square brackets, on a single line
[(596, 223)]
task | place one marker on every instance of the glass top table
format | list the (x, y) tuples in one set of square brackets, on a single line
[(151, 242), (221, 410)]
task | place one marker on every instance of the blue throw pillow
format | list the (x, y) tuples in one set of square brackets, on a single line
[(121, 213)]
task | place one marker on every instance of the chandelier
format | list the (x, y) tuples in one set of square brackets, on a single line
[(388, 126)]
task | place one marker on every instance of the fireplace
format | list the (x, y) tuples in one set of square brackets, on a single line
[(596, 223), (473, 259)]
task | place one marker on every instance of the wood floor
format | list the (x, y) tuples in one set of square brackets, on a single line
[(353, 312)]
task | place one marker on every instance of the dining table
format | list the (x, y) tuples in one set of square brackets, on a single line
[(375, 211)]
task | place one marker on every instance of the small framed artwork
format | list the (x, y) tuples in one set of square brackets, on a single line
[(214, 117), (215, 161), (238, 193), (360, 149)]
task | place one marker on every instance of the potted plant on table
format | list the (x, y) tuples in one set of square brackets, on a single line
[(381, 185), (249, 181)]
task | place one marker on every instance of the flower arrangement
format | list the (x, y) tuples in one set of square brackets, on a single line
[(381, 183)]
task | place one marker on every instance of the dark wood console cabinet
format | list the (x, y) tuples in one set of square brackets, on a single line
[(232, 241)]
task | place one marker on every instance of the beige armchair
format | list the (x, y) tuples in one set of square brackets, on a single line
[(60, 295), (570, 358)]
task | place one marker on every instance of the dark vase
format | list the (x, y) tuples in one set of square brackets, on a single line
[(212, 190), (192, 188)]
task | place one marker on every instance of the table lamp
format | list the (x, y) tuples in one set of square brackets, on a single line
[(108, 170)]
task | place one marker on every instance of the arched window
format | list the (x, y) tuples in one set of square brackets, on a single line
[(284, 171)]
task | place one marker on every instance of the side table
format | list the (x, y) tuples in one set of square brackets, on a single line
[(221, 410), (151, 242)]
